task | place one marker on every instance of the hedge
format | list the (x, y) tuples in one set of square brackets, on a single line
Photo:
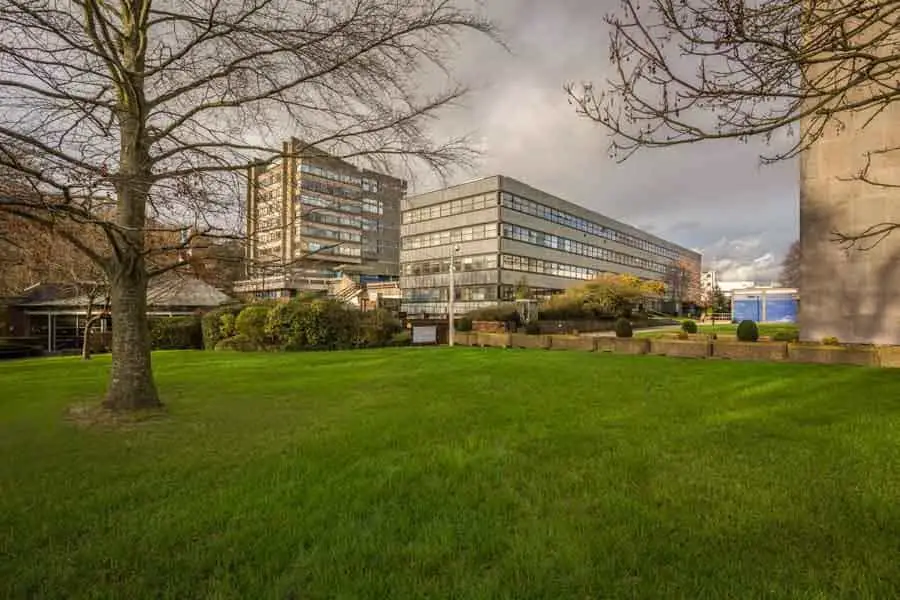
[(176, 333)]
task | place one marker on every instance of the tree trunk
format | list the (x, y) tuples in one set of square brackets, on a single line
[(86, 337), (131, 384)]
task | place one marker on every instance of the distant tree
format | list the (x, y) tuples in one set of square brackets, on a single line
[(720, 303), (790, 267), (682, 280)]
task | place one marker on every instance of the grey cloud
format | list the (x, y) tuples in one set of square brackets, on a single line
[(713, 197)]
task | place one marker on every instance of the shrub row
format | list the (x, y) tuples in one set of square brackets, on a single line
[(301, 324), (176, 333)]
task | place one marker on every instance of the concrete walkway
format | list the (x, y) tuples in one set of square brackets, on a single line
[(663, 329)]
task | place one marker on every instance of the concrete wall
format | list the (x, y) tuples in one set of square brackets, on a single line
[(850, 294)]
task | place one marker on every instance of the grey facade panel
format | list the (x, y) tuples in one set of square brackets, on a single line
[(518, 248), (488, 246), (488, 215), (443, 279), (471, 188), (515, 217), (514, 186)]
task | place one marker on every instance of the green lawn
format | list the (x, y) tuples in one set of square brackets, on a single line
[(726, 329), (466, 473)]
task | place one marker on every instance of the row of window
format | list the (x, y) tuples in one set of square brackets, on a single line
[(269, 237), (436, 267), (332, 189), (331, 234), (539, 238), (370, 205), (331, 249), (330, 219), (469, 293), (454, 236), (369, 185), (560, 217), (447, 209), (546, 267), (307, 199)]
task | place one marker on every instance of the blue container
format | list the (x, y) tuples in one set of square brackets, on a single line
[(748, 308)]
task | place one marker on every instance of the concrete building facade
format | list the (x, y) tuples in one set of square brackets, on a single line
[(851, 293), (312, 217), (509, 234)]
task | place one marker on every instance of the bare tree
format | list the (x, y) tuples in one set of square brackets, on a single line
[(789, 71), (156, 106), (790, 267), (682, 281)]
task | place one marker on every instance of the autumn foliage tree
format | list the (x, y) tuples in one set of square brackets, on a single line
[(122, 111), (606, 295)]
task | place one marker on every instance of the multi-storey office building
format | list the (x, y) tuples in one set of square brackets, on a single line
[(311, 217), (508, 233)]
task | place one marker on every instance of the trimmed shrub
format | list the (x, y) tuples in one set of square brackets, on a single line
[(533, 328), (831, 341), (403, 338), (785, 336), (689, 326), (505, 313), (238, 343), (623, 328), (176, 333), (213, 325), (251, 323), (284, 325), (379, 326), (464, 324), (747, 331)]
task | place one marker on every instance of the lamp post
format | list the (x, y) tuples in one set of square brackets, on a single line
[(453, 250)]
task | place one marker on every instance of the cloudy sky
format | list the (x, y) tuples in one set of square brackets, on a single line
[(715, 197)]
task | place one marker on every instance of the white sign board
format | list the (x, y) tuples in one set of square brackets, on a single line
[(424, 334)]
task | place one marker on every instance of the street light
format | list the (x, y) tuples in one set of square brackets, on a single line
[(453, 250)]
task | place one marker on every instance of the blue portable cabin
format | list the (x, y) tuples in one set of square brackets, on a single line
[(765, 305)]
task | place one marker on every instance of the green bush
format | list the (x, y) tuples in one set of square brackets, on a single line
[(464, 324), (747, 331), (378, 327), (251, 323), (504, 313), (213, 325), (786, 336), (831, 341), (176, 333), (285, 325), (689, 326), (623, 328), (533, 328), (403, 338), (239, 343)]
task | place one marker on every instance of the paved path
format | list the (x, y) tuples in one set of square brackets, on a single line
[(662, 328)]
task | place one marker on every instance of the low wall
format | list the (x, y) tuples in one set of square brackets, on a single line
[(489, 326), (833, 355), (622, 345), (695, 348), (521, 340), (571, 342), (551, 326), (492, 340), (889, 357), (750, 350)]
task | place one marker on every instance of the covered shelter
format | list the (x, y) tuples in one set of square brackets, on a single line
[(54, 314)]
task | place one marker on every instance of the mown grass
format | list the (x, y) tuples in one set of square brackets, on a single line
[(466, 473)]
